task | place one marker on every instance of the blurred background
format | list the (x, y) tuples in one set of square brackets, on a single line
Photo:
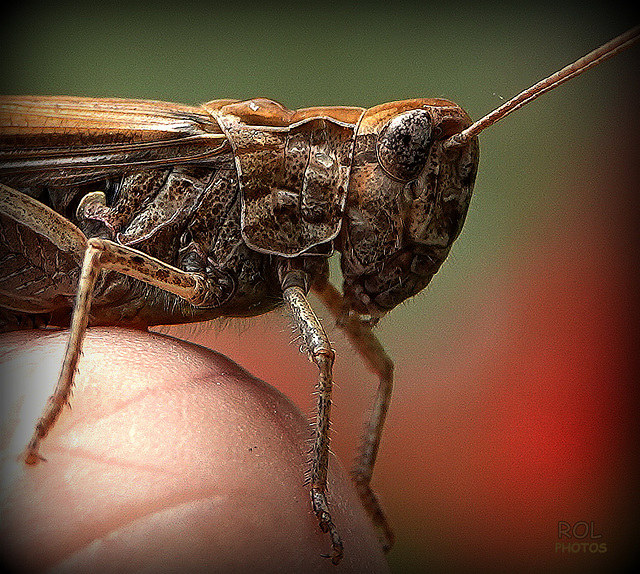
[(515, 404)]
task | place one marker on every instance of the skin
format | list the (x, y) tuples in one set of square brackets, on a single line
[(188, 464)]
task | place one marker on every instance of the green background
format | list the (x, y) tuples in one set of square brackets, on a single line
[(515, 369)]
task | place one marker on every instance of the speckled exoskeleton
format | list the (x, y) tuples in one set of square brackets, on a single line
[(140, 213)]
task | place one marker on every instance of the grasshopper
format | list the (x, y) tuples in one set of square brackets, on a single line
[(140, 213)]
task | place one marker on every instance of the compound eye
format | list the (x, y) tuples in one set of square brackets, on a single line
[(403, 144)]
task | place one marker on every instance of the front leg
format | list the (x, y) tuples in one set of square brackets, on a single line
[(371, 350), (294, 286)]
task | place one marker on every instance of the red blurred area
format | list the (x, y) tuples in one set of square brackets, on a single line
[(548, 436)]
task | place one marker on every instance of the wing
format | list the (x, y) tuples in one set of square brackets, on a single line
[(68, 140)]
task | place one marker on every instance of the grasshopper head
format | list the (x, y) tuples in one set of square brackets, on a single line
[(414, 164), (408, 198)]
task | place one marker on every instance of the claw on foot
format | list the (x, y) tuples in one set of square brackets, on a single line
[(320, 508), (32, 457)]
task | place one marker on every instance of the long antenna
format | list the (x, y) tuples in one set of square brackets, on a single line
[(599, 55)]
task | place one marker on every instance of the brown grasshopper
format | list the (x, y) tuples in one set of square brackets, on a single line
[(140, 213)]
